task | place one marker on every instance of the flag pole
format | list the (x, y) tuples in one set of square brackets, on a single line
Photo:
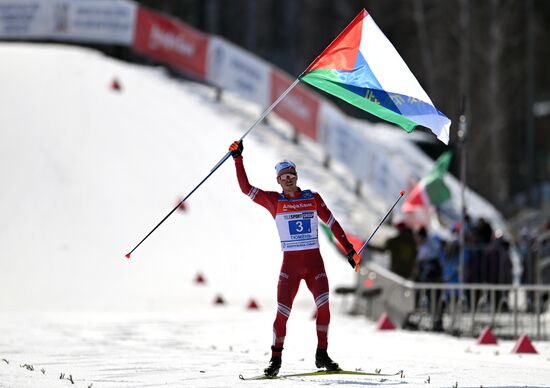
[(259, 120), (462, 136), (222, 160), (262, 116)]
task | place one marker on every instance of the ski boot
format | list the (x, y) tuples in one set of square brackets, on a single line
[(322, 360), (275, 363)]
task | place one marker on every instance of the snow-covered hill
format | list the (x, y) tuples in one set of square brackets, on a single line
[(87, 171)]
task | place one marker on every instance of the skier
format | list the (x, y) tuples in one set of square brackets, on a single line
[(296, 214)]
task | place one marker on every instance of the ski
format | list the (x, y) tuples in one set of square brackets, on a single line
[(323, 373)]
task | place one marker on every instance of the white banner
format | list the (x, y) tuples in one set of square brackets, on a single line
[(338, 137), (105, 21), (367, 160), (25, 18), (235, 69)]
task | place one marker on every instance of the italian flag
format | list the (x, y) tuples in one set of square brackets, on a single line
[(430, 190)]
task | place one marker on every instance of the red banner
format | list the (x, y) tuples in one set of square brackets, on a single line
[(171, 42), (299, 107)]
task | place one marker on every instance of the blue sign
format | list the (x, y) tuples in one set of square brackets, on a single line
[(299, 227)]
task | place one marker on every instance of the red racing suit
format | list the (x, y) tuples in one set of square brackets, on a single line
[(296, 218)]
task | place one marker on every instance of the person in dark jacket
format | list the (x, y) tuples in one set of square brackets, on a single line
[(402, 249)]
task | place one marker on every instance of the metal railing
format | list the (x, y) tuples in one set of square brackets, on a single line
[(465, 309), (459, 309)]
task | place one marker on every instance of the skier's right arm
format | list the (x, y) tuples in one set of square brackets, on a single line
[(263, 198)]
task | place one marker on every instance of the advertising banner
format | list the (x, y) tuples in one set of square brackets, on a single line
[(171, 42), (106, 21), (339, 138), (232, 68), (368, 160), (299, 107), (26, 19)]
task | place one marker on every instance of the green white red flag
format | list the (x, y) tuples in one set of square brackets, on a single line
[(430, 190)]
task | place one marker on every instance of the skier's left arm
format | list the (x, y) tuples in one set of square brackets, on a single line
[(326, 216)]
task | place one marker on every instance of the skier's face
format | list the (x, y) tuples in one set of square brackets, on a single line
[(288, 179)]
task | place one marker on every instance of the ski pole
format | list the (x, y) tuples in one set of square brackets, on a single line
[(357, 257), (222, 160), (262, 116)]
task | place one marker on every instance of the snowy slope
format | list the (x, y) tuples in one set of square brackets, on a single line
[(87, 172)]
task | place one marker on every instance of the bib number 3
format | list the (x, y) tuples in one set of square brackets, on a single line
[(299, 226)]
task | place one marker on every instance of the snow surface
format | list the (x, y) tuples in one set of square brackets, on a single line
[(87, 172)]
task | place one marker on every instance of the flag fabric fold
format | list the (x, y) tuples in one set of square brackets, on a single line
[(363, 68), (354, 240)]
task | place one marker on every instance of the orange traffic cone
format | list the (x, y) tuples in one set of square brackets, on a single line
[(182, 206), (486, 337), (199, 279), (252, 305), (116, 85), (385, 323), (524, 345), (368, 283), (219, 300)]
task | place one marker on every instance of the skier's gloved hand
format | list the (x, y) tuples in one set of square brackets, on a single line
[(351, 254), (236, 148)]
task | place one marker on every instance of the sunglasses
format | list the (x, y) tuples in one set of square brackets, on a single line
[(287, 176)]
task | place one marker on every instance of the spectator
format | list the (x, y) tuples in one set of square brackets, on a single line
[(402, 248), (497, 256), (480, 239), (428, 270), (451, 261)]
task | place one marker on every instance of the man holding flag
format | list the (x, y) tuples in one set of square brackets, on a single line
[(362, 68), (296, 213)]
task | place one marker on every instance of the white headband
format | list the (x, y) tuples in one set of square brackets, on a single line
[(282, 165)]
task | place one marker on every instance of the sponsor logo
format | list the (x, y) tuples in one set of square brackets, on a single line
[(296, 206), (296, 105), (321, 275), (244, 67), (170, 41), (293, 216)]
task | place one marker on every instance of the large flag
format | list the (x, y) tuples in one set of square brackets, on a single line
[(363, 68), (430, 190)]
